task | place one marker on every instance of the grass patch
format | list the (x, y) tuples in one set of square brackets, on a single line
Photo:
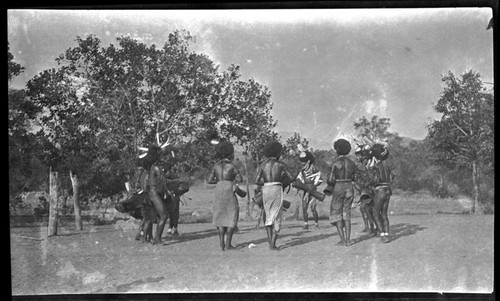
[(200, 199), (197, 206)]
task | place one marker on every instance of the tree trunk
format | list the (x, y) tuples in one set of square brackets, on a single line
[(53, 197), (475, 183), (76, 201)]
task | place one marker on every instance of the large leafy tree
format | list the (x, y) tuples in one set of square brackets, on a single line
[(101, 103), (463, 137), (245, 114), (244, 117)]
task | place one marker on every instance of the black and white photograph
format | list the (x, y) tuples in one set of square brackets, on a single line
[(198, 150)]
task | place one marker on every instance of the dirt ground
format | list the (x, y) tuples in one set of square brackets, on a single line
[(428, 253)]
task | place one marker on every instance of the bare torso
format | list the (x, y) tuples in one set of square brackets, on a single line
[(224, 170), (272, 170), (343, 168)]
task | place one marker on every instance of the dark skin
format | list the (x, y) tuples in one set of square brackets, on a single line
[(172, 178), (225, 170), (272, 170), (343, 168), (383, 174), (149, 213), (306, 198), (366, 207), (155, 194)]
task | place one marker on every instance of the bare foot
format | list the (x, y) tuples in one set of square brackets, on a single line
[(274, 248), (157, 242), (340, 243), (230, 247)]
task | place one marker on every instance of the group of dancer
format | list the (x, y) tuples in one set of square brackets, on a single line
[(155, 191), (154, 194), (370, 178)]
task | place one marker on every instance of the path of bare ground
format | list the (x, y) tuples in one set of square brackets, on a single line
[(429, 253)]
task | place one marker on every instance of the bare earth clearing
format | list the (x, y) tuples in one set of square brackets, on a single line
[(429, 253)]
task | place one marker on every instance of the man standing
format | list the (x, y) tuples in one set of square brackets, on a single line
[(310, 176), (382, 191), (273, 176), (157, 188), (226, 208), (171, 197), (363, 156), (341, 178)]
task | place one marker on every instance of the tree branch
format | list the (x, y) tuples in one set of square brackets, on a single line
[(458, 127)]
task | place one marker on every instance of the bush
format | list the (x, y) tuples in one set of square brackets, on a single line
[(42, 207), (17, 205)]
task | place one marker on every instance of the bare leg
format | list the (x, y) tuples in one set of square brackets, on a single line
[(230, 232), (161, 211), (305, 204), (315, 213), (347, 224), (141, 229), (269, 231), (222, 232), (385, 218), (274, 237), (340, 230), (364, 214), (377, 209), (369, 211), (147, 231)]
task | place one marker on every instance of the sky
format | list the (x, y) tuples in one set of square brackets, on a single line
[(325, 68)]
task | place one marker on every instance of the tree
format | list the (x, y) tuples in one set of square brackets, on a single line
[(374, 129), (13, 68), (26, 167), (291, 151), (463, 137), (377, 130), (247, 120), (101, 103)]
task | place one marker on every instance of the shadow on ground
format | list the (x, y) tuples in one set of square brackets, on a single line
[(396, 232), (264, 239), (401, 230)]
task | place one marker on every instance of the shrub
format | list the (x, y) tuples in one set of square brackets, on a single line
[(42, 207)]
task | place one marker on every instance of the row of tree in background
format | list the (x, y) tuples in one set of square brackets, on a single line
[(90, 114)]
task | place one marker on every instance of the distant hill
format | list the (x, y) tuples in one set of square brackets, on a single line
[(319, 144), (325, 144)]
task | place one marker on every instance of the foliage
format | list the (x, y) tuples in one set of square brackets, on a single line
[(101, 103), (463, 138), (324, 160), (376, 128), (465, 132), (26, 156), (244, 114), (291, 151), (412, 167), (13, 69)]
